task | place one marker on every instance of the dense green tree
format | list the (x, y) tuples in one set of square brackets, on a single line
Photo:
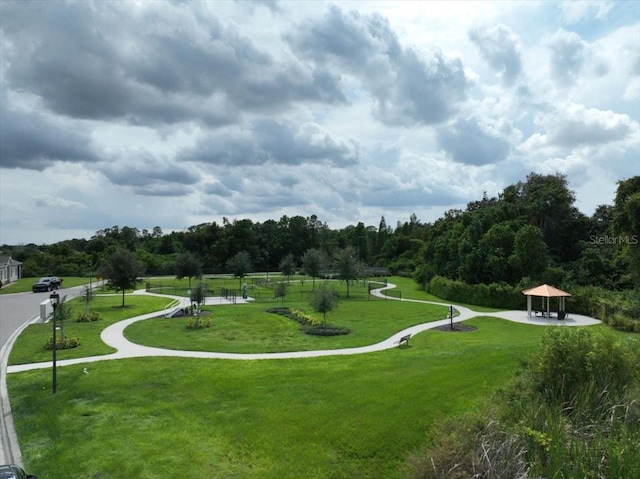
[(626, 225), (187, 265), (530, 252), (548, 204), (239, 265), (122, 270)]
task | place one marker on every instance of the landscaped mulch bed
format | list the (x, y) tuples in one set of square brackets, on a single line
[(457, 327)]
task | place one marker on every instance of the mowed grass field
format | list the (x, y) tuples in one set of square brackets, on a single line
[(354, 416)]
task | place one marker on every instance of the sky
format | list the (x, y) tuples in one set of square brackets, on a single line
[(177, 113)]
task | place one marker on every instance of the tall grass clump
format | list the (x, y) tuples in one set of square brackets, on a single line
[(573, 411)]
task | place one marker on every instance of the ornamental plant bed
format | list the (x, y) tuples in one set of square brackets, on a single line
[(310, 325)]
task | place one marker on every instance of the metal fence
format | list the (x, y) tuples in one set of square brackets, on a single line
[(263, 291)]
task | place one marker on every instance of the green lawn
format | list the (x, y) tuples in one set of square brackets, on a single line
[(340, 417), (247, 328), (29, 347)]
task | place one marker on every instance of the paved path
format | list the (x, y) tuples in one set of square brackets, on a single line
[(114, 337)]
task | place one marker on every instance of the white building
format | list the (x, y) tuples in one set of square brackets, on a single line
[(10, 269)]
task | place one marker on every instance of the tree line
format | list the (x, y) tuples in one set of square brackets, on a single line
[(531, 231)]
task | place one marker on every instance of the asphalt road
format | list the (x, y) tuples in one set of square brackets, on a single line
[(18, 308)]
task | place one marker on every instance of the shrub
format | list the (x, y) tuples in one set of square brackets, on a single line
[(573, 412), (87, 318), (66, 343), (576, 363), (198, 322), (306, 318)]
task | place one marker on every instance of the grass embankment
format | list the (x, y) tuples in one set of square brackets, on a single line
[(353, 416), (29, 347)]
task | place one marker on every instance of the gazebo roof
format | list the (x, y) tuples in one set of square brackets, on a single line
[(546, 291)]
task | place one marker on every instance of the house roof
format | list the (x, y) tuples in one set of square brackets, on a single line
[(8, 260), (546, 291)]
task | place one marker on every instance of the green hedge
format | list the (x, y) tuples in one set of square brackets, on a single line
[(492, 295)]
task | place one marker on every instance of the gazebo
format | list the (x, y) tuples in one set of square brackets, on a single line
[(548, 292)]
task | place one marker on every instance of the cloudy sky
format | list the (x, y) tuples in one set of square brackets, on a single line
[(175, 113)]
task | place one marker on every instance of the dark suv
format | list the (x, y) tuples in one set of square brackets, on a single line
[(14, 472), (48, 283)]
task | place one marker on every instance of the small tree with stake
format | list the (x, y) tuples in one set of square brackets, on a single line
[(63, 312), (197, 296), (280, 291), (324, 300)]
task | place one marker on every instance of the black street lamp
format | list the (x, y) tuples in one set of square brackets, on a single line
[(55, 300)]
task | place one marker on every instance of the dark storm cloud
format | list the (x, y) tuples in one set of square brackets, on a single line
[(268, 141), (148, 175), (34, 141), (407, 86), (218, 189), (254, 191), (156, 64), (499, 48), (467, 142)]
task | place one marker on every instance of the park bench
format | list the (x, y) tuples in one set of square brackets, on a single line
[(404, 339)]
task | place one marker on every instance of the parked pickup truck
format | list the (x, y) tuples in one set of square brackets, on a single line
[(48, 283)]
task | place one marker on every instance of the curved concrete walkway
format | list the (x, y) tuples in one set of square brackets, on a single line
[(114, 336)]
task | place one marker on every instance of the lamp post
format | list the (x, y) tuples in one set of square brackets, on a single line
[(55, 300)]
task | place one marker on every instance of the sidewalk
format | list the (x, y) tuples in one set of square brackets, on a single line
[(114, 337)]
